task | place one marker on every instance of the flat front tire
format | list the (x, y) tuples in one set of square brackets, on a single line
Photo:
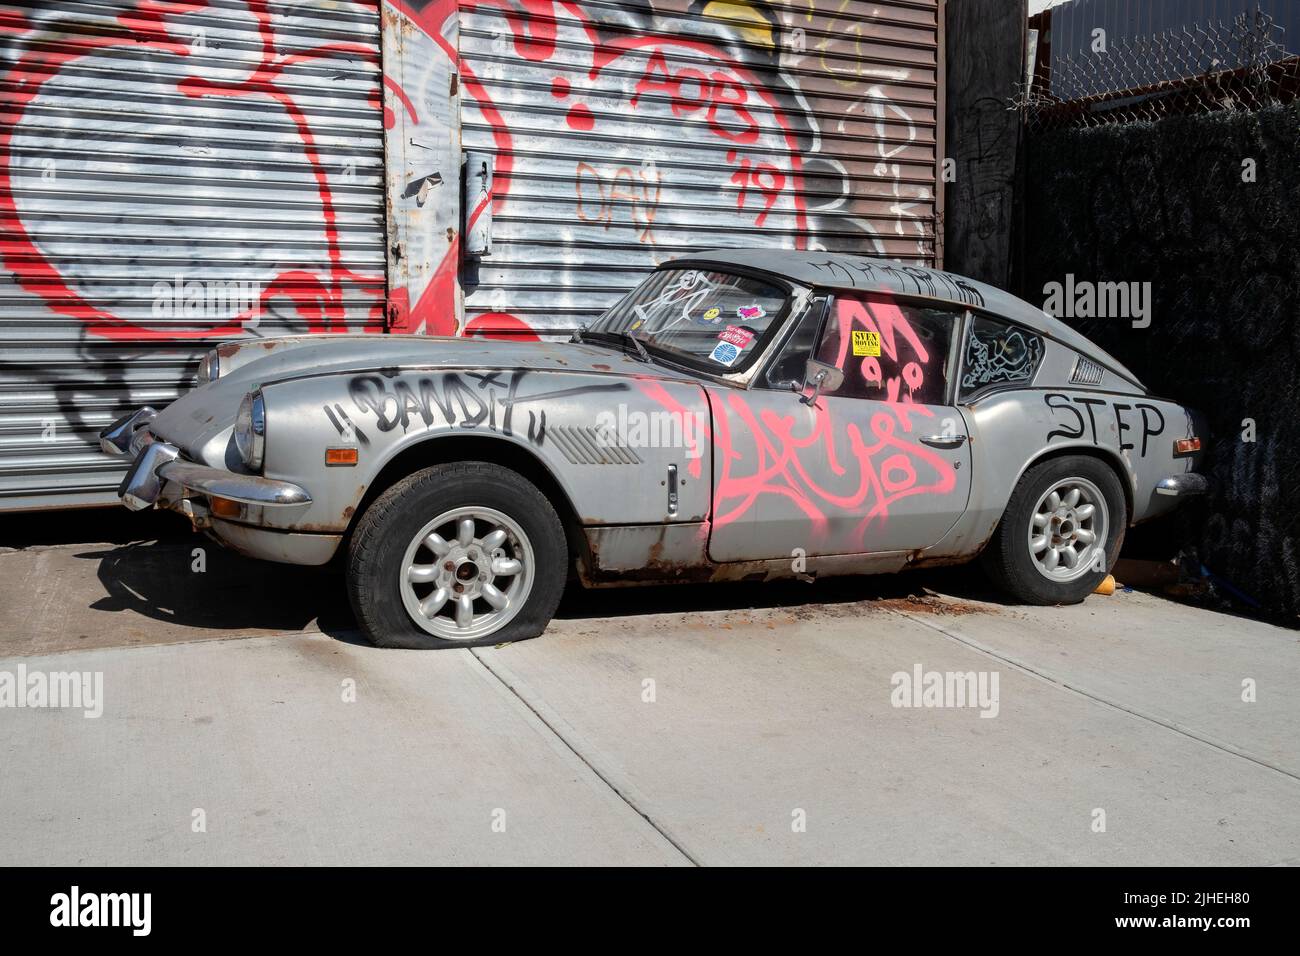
[(457, 555), (1061, 532)]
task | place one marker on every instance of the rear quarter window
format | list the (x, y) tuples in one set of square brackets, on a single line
[(998, 353)]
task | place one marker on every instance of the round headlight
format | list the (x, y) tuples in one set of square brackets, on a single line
[(209, 368), (250, 430)]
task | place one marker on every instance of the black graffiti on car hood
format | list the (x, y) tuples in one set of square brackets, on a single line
[(466, 399)]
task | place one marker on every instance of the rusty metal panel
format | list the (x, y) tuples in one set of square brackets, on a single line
[(627, 134), (423, 165), (172, 175)]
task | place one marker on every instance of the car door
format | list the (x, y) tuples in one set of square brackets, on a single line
[(878, 462)]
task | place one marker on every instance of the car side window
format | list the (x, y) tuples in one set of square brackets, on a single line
[(889, 351), (790, 365), (998, 353)]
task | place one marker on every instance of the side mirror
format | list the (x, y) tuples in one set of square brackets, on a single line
[(820, 375)]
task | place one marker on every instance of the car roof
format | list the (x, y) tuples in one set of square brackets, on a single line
[(838, 271)]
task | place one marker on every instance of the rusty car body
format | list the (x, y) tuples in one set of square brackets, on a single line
[(739, 415)]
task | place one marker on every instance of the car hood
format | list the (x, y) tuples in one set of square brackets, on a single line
[(299, 357), (198, 420)]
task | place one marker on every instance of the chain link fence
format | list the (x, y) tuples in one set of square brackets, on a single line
[(1172, 160), (1206, 67)]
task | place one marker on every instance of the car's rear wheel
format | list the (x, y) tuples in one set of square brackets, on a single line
[(457, 555), (1061, 531)]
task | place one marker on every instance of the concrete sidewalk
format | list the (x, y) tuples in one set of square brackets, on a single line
[(713, 734), (760, 714)]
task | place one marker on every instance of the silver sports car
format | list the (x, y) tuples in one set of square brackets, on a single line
[(740, 415)]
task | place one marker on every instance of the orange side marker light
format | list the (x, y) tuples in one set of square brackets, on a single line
[(224, 507)]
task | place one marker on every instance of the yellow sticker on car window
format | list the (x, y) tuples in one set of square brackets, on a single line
[(866, 343)]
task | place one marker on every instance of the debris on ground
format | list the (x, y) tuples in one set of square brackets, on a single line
[(928, 604)]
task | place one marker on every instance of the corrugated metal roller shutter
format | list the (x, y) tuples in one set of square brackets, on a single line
[(172, 175), (628, 134)]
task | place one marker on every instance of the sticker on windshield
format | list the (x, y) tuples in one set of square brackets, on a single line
[(711, 316), (724, 353), (735, 335), (754, 311), (866, 343)]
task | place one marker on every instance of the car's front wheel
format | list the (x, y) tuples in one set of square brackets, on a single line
[(457, 555), (1061, 532)]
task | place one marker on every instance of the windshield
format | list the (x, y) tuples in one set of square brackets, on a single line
[(714, 319)]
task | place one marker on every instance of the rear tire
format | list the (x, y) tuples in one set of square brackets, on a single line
[(458, 555), (1058, 550)]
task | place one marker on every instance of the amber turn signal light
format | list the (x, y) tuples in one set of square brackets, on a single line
[(340, 456), (1185, 446), (224, 507)]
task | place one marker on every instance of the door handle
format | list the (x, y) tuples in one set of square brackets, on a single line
[(944, 441)]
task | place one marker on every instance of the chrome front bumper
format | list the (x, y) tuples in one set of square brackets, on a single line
[(155, 463)]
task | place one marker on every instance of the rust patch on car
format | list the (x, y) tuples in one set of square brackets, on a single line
[(656, 570), (656, 556), (919, 559)]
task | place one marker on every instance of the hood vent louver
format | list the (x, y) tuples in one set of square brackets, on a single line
[(584, 446), (1086, 372)]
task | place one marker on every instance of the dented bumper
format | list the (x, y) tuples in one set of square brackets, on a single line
[(155, 463)]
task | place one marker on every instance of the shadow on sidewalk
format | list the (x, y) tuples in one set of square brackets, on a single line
[(179, 586)]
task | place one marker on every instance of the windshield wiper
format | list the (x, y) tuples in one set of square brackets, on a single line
[(641, 350)]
